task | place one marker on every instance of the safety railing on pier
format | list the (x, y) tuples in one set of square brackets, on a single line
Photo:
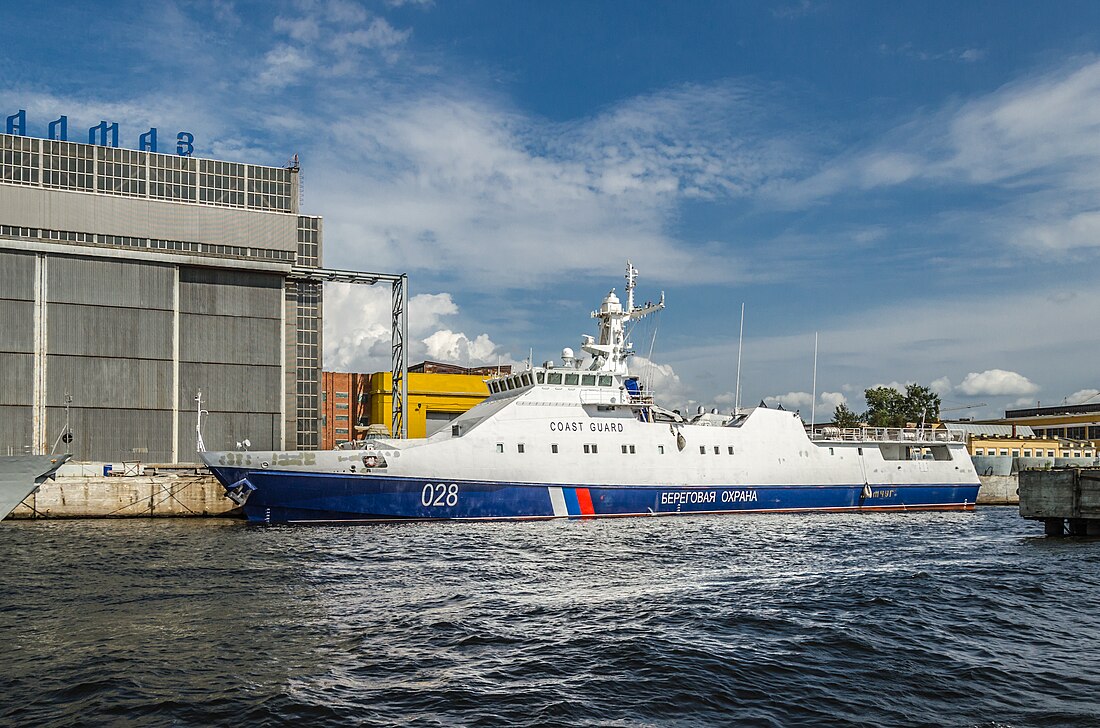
[(888, 434)]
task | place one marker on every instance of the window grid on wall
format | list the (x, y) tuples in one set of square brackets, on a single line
[(307, 296), (172, 178), (62, 165), (269, 188), (221, 183), (68, 166), (18, 160), (183, 246), (121, 172), (309, 241)]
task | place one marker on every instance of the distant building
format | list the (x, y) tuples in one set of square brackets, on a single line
[(344, 407), (353, 402), (131, 280), (1073, 422), (986, 439)]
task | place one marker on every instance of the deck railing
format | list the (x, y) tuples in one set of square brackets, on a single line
[(888, 434)]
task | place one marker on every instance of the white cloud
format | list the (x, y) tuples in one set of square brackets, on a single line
[(305, 29), (941, 386), (1082, 396), (1081, 230), (908, 50), (449, 346), (462, 186), (996, 382), (669, 391), (791, 400), (357, 331), (283, 66), (379, 34), (803, 401)]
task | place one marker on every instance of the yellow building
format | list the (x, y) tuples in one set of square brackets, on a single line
[(436, 395), (998, 439), (1072, 422), (1029, 447)]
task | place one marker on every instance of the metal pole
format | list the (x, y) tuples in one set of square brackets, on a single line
[(399, 360), (737, 387), (813, 400)]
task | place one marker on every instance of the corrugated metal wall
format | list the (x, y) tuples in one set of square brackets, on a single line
[(16, 351), (230, 350), (61, 210), (109, 345)]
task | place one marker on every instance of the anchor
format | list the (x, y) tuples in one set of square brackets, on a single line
[(239, 491)]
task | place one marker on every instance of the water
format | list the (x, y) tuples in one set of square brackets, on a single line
[(967, 619)]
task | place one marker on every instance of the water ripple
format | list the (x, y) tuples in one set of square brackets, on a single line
[(919, 619)]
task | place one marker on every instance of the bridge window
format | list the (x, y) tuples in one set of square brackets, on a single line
[(588, 380), (553, 378), (606, 381), (572, 378), (541, 377)]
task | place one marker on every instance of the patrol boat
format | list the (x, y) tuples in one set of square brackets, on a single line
[(585, 439)]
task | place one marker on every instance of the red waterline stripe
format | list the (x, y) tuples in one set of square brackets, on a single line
[(584, 499)]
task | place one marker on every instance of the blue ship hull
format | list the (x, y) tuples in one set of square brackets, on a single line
[(272, 496)]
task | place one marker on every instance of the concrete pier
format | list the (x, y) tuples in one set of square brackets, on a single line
[(999, 490), (193, 493), (1066, 501)]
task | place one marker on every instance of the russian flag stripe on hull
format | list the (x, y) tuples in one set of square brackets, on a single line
[(584, 499), (557, 501)]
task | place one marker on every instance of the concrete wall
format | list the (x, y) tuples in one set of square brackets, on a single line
[(998, 490), (127, 497)]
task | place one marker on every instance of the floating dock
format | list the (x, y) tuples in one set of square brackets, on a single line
[(1066, 501)]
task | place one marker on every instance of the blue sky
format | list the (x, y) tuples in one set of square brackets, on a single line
[(917, 182)]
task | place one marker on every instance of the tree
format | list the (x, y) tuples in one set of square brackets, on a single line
[(921, 404), (887, 407), (844, 417)]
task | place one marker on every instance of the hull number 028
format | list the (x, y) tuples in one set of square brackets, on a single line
[(439, 494)]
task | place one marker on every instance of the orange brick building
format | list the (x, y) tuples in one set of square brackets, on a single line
[(344, 405)]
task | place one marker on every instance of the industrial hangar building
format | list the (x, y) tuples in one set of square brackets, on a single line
[(132, 280)]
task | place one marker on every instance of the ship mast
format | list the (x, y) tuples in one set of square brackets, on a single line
[(612, 350)]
